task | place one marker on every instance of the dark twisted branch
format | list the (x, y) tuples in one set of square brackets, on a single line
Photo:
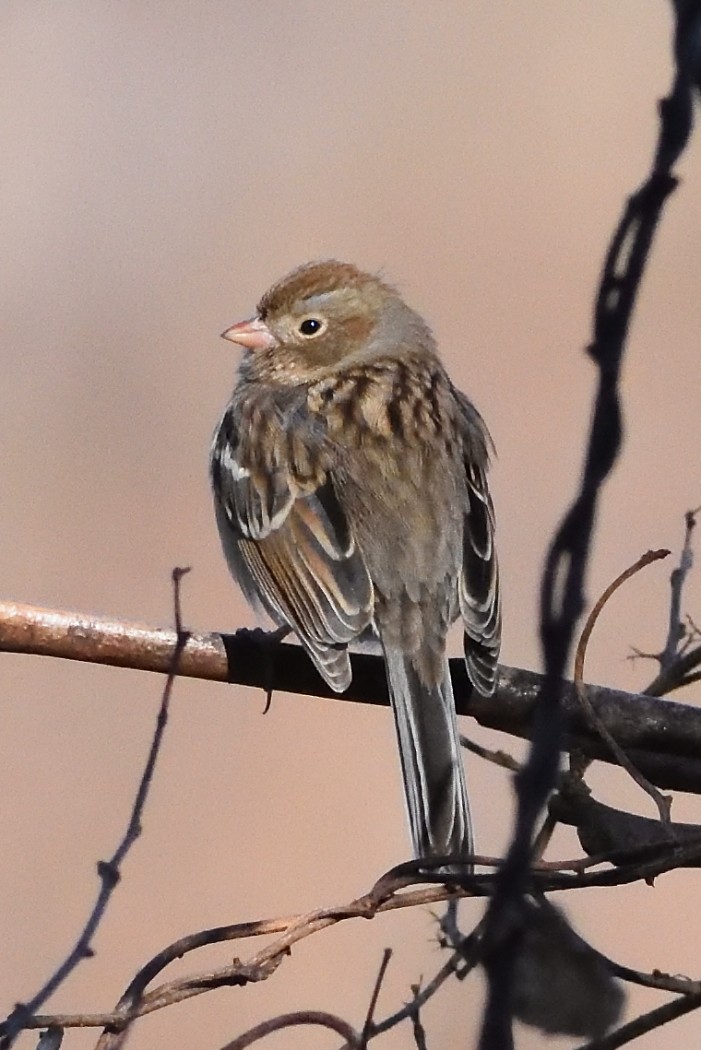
[(562, 591)]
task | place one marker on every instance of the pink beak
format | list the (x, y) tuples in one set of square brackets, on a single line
[(253, 334)]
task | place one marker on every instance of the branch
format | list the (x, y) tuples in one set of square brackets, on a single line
[(663, 802), (604, 831), (562, 587), (110, 871), (299, 1017), (391, 892), (662, 738), (678, 659)]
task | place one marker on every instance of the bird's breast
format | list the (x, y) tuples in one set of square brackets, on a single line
[(400, 402)]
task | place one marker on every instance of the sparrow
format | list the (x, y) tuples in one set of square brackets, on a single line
[(350, 489)]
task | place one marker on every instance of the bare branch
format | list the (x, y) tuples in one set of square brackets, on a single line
[(603, 830), (108, 871), (643, 561), (299, 1017), (676, 660), (417, 1028), (663, 802), (685, 1004), (365, 1035), (662, 738), (641, 863), (497, 758), (562, 588)]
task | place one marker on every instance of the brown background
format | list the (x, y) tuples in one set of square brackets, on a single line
[(162, 164)]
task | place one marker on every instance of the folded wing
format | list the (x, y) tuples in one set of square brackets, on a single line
[(289, 546), (478, 588)]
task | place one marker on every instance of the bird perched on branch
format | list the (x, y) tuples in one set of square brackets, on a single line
[(350, 489)]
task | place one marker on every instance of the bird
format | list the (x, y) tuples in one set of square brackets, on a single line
[(350, 490)]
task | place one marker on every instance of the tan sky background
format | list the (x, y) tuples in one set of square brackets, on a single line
[(162, 164)]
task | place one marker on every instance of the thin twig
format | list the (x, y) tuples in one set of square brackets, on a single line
[(675, 661), (547, 829), (453, 967), (663, 982), (109, 871), (663, 802), (418, 1029), (290, 1020), (498, 758), (544, 836), (365, 1034), (643, 561), (675, 629), (685, 1004), (677, 675)]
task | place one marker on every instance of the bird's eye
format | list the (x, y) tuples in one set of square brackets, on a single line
[(311, 326)]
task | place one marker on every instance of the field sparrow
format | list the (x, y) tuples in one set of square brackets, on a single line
[(349, 480)]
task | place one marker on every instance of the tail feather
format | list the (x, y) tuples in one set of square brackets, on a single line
[(432, 768)]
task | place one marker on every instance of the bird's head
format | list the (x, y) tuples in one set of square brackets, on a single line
[(323, 314)]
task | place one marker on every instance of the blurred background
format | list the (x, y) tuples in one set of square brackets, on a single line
[(163, 164)]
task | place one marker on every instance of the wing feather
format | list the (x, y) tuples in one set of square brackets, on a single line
[(288, 543), (478, 586)]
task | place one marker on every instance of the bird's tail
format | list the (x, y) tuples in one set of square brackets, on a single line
[(432, 768)]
